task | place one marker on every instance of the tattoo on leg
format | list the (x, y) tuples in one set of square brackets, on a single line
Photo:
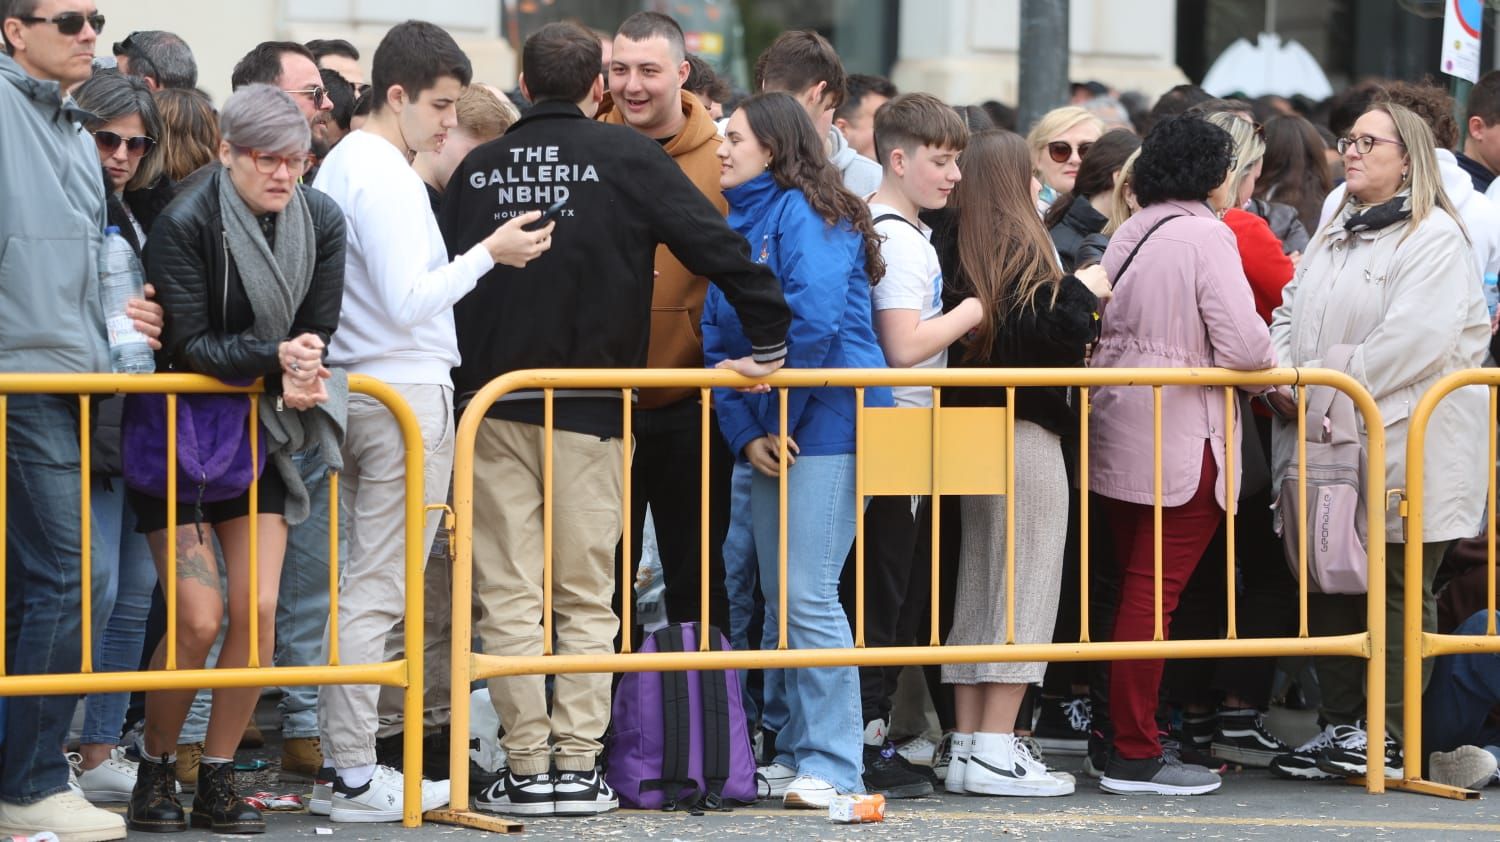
[(195, 559)]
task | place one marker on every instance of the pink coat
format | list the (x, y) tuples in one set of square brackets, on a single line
[(1184, 303)]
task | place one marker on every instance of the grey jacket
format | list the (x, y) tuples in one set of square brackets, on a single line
[(861, 175), (51, 236)]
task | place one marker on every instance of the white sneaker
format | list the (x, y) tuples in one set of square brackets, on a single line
[(772, 781), (918, 751), (1030, 746), (379, 800), (1469, 767), (960, 746), (66, 814), (942, 756), (108, 783), (999, 766), (320, 803), (809, 793)]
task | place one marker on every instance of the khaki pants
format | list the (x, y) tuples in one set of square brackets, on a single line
[(372, 580), (437, 650), (508, 559)]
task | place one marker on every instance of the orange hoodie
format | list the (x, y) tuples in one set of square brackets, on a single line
[(677, 300)]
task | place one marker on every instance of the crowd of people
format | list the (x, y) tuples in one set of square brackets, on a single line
[(315, 225)]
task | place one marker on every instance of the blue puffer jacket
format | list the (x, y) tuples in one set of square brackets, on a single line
[(822, 273)]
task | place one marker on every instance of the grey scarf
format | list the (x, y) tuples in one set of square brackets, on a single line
[(276, 281)]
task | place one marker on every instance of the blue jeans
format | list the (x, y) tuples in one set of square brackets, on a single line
[(126, 603), (302, 605), (822, 735), (1463, 690), (44, 593), (741, 576)]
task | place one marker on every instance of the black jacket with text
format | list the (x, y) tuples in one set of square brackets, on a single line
[(586, 303)]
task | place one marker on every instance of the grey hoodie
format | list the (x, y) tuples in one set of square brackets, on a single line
[(51, 233), (861, 175)]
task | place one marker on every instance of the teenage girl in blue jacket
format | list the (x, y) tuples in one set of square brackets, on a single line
[(818, 239)]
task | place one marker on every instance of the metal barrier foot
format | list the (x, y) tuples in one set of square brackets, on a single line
[(476, 820), (1422, 787)]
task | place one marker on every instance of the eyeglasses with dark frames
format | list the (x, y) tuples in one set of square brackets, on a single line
[(1061, 150), (1363, 144), (268, 164), (68, 23), (317, 94), (135, 147)]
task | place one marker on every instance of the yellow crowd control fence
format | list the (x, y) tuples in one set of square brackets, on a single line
[(405, 673), (948, 450), (1419, 643)]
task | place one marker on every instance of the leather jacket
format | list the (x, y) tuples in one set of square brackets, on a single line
[(208, 315)]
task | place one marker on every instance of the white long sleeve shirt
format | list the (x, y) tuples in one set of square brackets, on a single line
[(399, 286)]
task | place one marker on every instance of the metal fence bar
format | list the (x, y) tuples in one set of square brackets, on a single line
[(85, 542), (405, 673), (705, 399), (1083, 514), (627, 564), (1368, 645), (1157, 632), (859, 517), (1231, 501)]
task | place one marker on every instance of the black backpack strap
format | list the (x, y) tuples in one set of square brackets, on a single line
[(883, 217), (1131, 257), (677, 727), (713, 688)]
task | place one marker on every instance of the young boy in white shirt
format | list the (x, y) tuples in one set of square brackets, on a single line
[(918, 139), (397, 325)]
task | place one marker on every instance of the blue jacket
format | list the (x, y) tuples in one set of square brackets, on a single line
[(822, 273)]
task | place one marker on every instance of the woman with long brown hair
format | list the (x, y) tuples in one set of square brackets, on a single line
[(994, 247), (789, 202), (1296, 169)]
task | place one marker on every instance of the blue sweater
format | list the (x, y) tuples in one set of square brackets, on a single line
[(822, 273)]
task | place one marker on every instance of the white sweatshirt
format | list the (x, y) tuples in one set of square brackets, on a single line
[(399, 287)]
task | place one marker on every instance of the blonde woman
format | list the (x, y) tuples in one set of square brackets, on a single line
[(1058, 142), (1393, 275)]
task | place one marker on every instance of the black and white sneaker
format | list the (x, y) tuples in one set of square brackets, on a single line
[(583, 794), (1347, 755), (520, 795), (1062, 727), (1301, 763), (1242, 738)]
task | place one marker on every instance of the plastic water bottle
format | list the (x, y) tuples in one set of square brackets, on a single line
[(121, 279), (1492, 292)]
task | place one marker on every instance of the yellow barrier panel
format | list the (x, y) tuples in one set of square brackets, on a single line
[(1419, 643), (924, 439), (406, 673)]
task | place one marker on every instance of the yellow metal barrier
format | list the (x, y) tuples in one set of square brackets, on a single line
[(908, 451), (1419, 643), (405, 673)]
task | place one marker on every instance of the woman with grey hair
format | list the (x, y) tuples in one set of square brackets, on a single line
[(251, 268), (125, 127)]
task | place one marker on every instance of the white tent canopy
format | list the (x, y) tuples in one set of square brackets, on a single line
[(1271, 66)]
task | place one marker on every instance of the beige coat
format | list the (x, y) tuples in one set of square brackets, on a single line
[(1411, 302)]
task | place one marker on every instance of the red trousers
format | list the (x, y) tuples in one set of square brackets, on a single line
[(1186, 532)]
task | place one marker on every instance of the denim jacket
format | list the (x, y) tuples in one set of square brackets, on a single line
[(822, 274)]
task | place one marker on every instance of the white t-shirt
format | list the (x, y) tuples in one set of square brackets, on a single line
[(913, 281)]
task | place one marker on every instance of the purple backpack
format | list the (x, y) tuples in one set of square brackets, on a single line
[(679, 739), (213, 446)]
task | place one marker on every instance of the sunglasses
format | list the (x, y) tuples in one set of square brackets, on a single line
[(135, 147), (1061, 150), (69, 23), (267, 164), (317, 94)]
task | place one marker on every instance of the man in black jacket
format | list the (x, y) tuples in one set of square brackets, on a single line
[(584, 304)]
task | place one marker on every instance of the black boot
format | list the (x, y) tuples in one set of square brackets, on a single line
[(218, 808), (153, 803)]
